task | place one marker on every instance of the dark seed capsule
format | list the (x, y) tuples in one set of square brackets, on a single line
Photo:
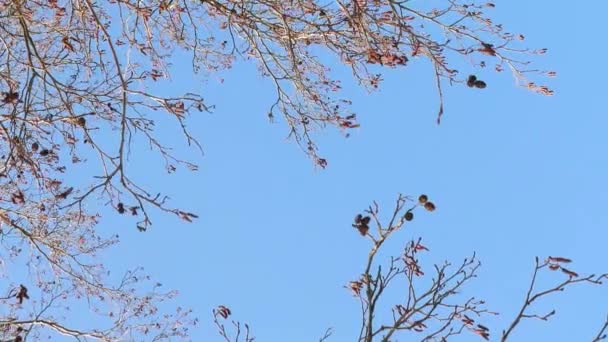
[(409, 216), (480, 84), (365, 220), (471, 81)]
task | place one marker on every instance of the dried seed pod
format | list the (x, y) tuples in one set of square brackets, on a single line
[(121, 208), (423, 199), (409, 216), (362, 224), (44, 152), (480, 84), (22, 294), (429, 206), (363, 229), (365, 220), (471, 81), (82, 121)]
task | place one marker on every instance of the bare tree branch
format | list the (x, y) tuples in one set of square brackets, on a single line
[(553, 264), (601, 334)]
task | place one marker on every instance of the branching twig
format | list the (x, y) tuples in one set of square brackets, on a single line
[(555, 264), (601, 335)]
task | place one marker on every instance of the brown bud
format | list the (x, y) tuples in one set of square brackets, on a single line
[(429, 206), (423, 199)]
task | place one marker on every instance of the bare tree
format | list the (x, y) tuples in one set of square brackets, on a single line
[(76, 80), (429, 307), (435, 309), (56, 252), (433, 306)]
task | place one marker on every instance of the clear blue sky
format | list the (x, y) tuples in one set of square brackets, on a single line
[(514, 175)]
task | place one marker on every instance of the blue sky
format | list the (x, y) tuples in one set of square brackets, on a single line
[(514, 175)]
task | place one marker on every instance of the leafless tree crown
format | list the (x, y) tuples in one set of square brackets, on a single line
[(76, 80)]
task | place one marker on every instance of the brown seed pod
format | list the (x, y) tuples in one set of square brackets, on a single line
[(363, 229), (44, 152), (480, 84), (365, 220), (121, 208), (423, 199), (362, 224), (409, 216), (82, 121), (471, 81), (429, 206)]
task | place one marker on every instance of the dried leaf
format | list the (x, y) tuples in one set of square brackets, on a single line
[(570, 273), (559, 259), (65, 194), (22, 294), (10, 97), (487, 49), (223, 311), (18, 197)]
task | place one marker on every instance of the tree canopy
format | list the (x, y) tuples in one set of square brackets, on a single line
[(81, 84)]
